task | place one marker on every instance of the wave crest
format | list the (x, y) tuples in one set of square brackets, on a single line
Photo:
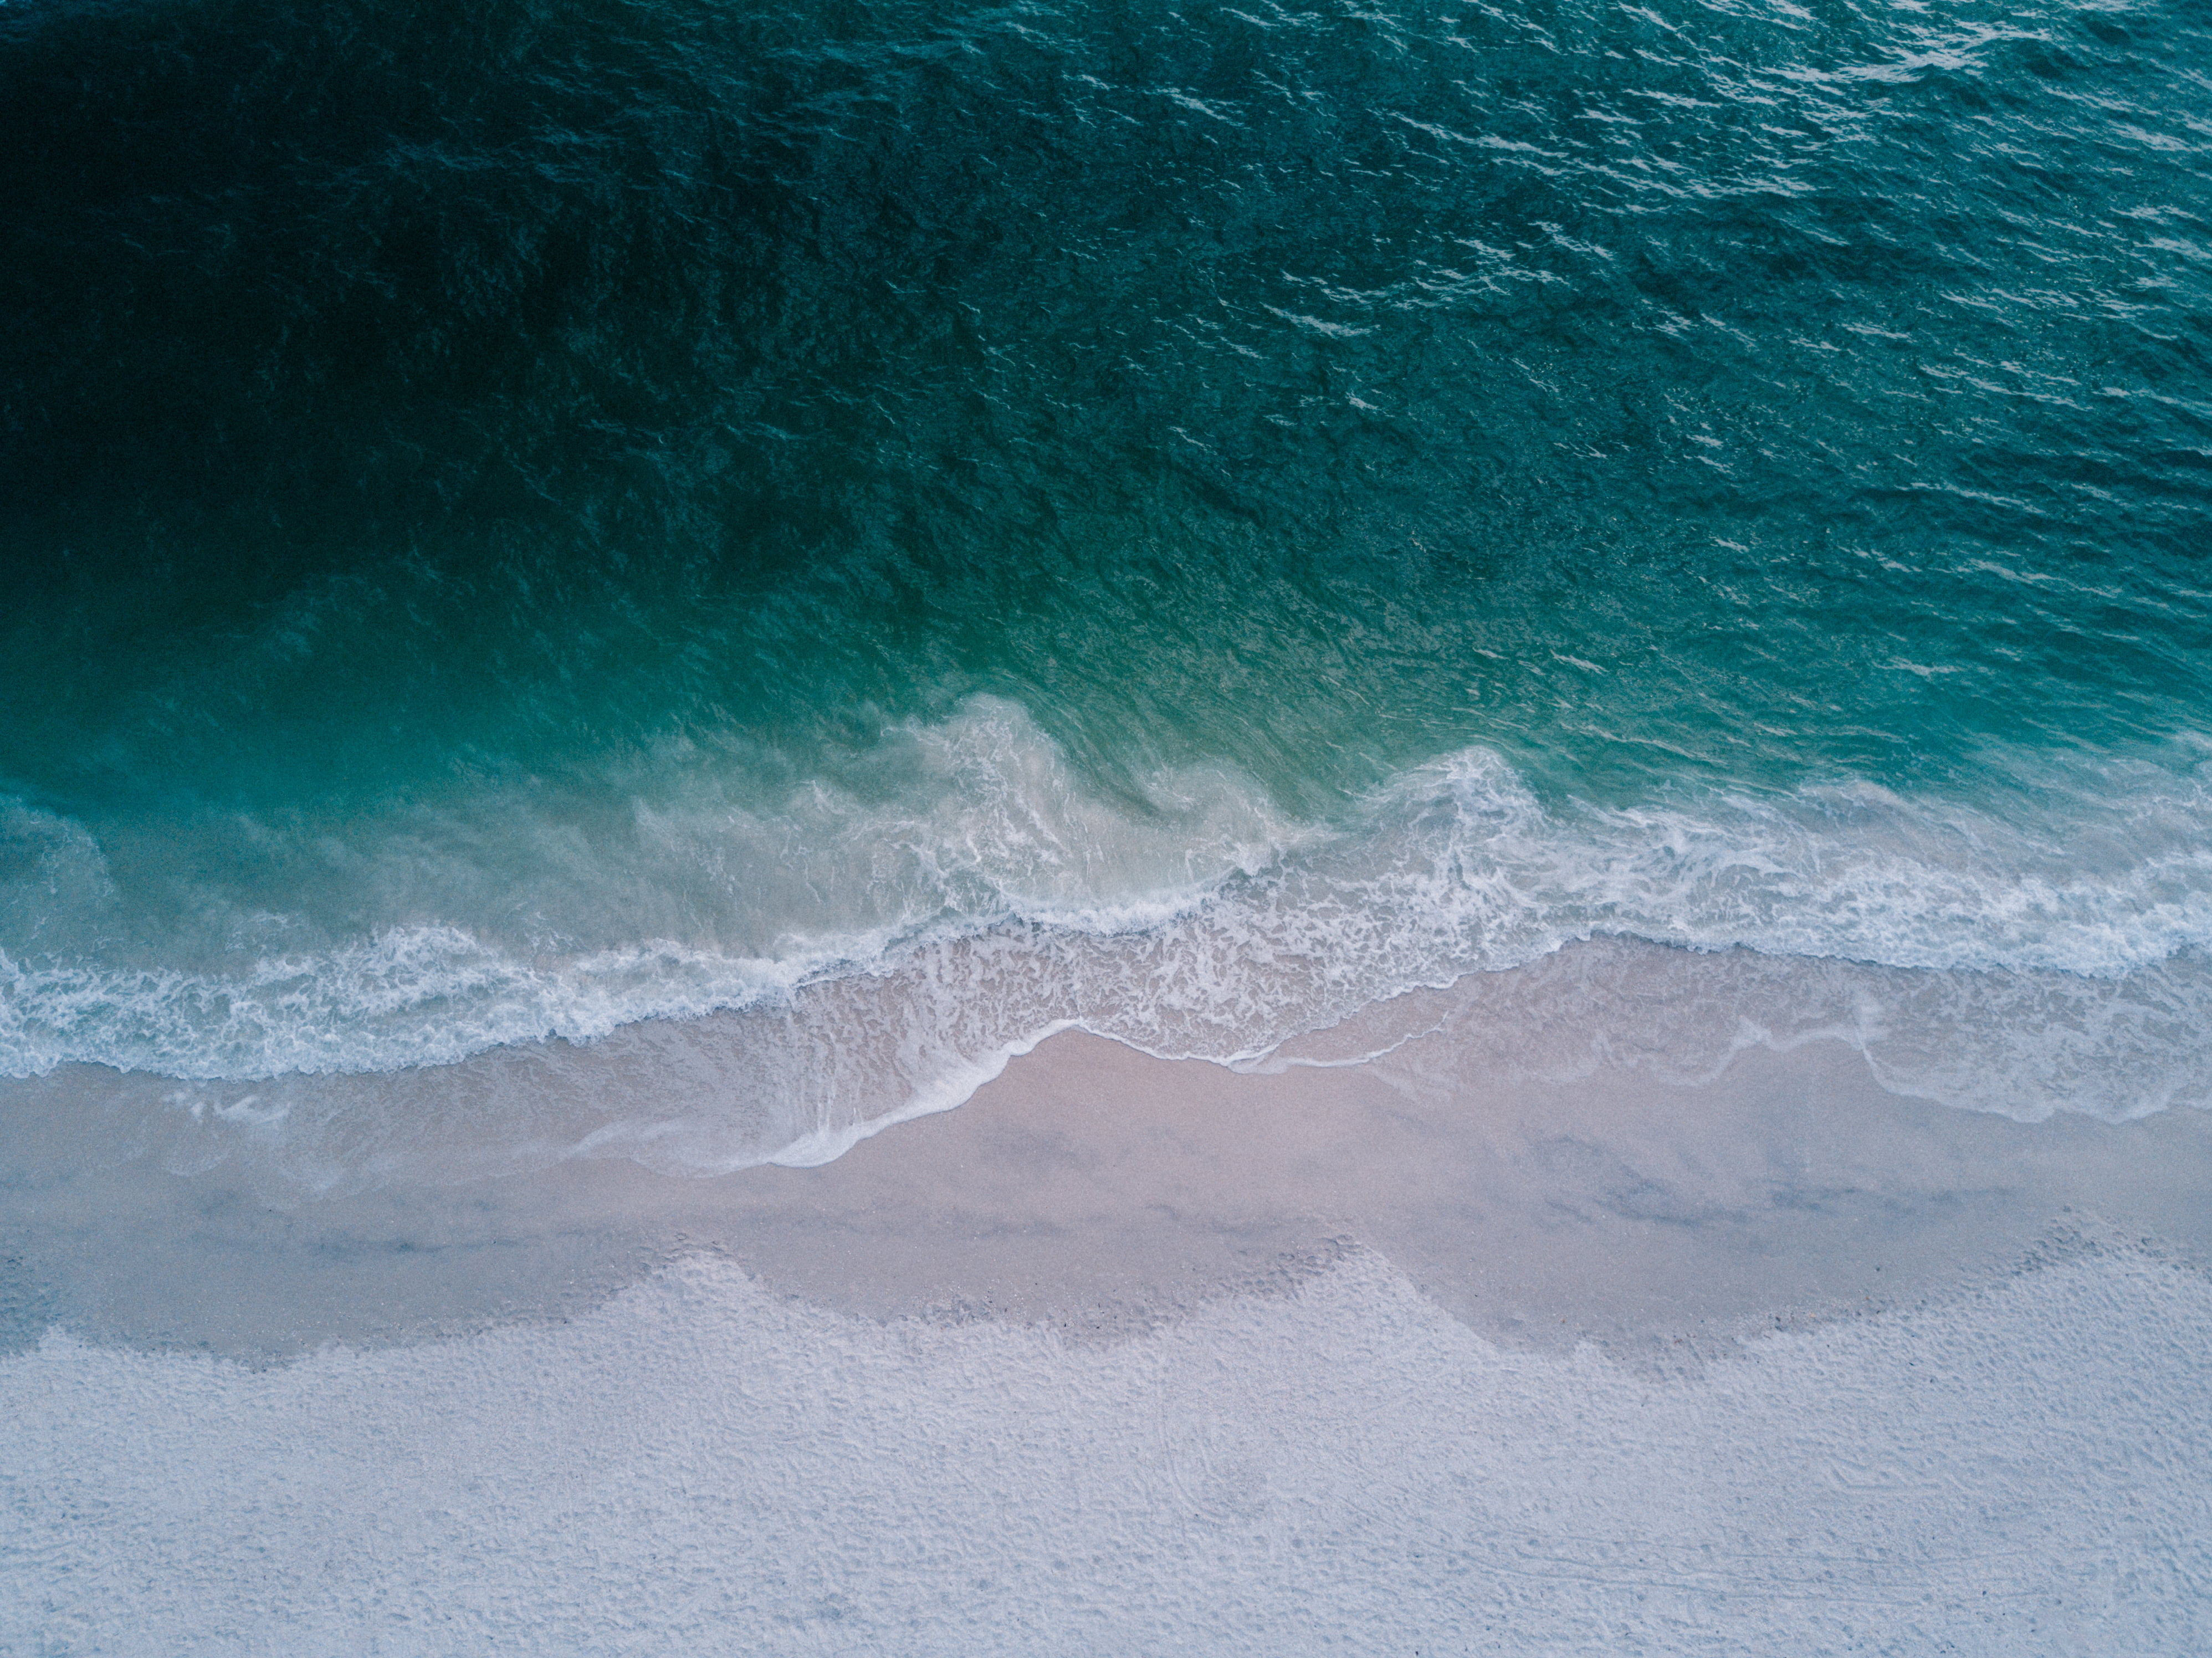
[(891, 934)]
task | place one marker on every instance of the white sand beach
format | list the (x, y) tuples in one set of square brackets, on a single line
[(1127, 1355)]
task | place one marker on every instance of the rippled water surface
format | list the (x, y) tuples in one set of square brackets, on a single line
[(521, 518)]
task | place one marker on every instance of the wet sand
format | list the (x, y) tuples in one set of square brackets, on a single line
[(1102, 1191)]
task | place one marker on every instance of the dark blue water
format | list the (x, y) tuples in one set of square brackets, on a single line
[(524, 518)]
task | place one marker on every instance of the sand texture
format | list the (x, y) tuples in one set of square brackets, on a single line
[(1133, 1356)]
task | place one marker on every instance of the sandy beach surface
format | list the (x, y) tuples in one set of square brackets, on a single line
[(1131, 1355)]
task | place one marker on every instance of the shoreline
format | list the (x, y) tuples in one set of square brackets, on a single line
[(1104, 1192)]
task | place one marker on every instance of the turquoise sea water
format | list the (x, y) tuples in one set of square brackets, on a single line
[(523, 519)]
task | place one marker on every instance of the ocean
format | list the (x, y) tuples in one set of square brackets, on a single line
[(883, 532)]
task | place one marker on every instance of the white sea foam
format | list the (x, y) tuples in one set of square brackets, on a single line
[(885, 937)]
